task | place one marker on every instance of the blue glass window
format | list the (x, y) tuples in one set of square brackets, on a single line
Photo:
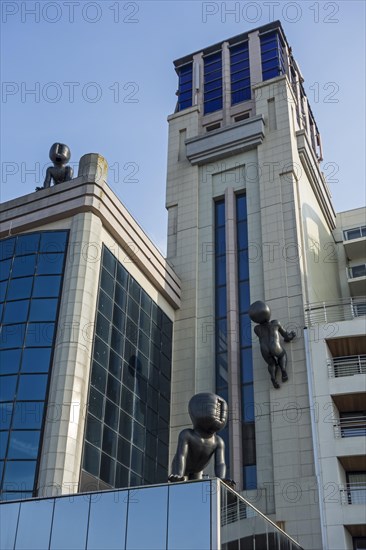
[(23, 445), (240, 73), (272, 54), (28, 415), (19, 474), (23, 266), (12, 336), (16, 312), (27, 244), (43, 310), (36, 360), (50, 264), (7, 387), (185, 86), (39, 334), (7, 248), (10, 361), (212, 83), (5, 269), (46, 286), (53, 241), (19, 288), (32, 386)]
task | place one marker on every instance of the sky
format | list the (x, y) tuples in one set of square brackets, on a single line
[(99, 77)]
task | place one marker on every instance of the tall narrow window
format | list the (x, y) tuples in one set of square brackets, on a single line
[(212, 83), (240, 74), (246, 362), (273, 61), (221, 312), (185, 86)]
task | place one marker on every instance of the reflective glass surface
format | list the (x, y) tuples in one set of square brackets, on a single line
[(33, 266), (212, 82), (189, 523), (8, 525), (70, 520), (131, 367), (144, 503), (37, 513), (107, 521)]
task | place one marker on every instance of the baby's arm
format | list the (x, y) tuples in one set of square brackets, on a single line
[(287, 336), (220, 466), (180, 458)]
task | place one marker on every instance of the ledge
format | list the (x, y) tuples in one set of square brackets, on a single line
[(31, 212), (231, 140)]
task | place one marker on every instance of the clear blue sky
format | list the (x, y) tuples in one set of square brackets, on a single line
[(105, 83)]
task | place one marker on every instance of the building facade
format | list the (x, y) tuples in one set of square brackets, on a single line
[(88, 304), (251, 218)]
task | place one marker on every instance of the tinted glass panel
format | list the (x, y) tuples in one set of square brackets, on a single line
[(36, 360), (23, 445), (50, 264), (10, 361), (73, 515), (19, 475), (53, 241), (43, 310), (32, 387), (19, 288), (107, 521), (24, 265), (46, 286), (8, 525), (34, 527), (16, 312), (7, 387), (188, 505), (28, 415), (154, 505)]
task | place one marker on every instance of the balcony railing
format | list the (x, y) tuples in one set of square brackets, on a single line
[(354, 233), (352, 426), (346, 366), (353, 493), (339, 310), (356, 271)]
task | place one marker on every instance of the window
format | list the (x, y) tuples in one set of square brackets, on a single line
[(355, 233), (273, 62), (31, 269), (212, 83), (132, 335), (356, 487), (240, 73), (185, 86)]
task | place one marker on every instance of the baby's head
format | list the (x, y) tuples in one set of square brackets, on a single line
[(208, 412), (60, 154), (259, 312)]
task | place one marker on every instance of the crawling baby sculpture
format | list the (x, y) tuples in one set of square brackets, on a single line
[(60, 155), (195, 448)]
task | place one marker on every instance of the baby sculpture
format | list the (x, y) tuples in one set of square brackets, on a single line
[(269, 333), (195, 448), (60, 155)]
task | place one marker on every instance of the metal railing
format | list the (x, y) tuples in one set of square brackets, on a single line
[(353, 493), (333, 311), (346, 366), (356, 271), (352, 426)]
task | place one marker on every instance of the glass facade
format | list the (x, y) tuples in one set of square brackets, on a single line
[(273, 61), (185, 86), (221, 315), (240, 73), (245, 337), (212, 99), (182, 516), (31, 268), (127, 428)]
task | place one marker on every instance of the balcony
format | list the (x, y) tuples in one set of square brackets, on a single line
[(353, 493), (356, 276), (355, 242), (333, 311), (346, 366), (352, 425)]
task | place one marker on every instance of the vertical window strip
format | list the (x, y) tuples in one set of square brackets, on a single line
[(246, 362), (212, 83), (272, 56), (240, 73), (185, 86), (221, 362)]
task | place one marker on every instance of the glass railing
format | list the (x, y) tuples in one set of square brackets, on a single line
[(203, 514)]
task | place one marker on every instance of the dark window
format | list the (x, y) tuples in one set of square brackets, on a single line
[(131, 334), (185, 86), (212, 83), (272, 54), (240, 73)]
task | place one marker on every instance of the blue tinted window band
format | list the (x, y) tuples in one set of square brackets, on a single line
[(35, 265)]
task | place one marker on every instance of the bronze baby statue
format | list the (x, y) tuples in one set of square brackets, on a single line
[(195, 448), (60, 155), (269, 333)]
